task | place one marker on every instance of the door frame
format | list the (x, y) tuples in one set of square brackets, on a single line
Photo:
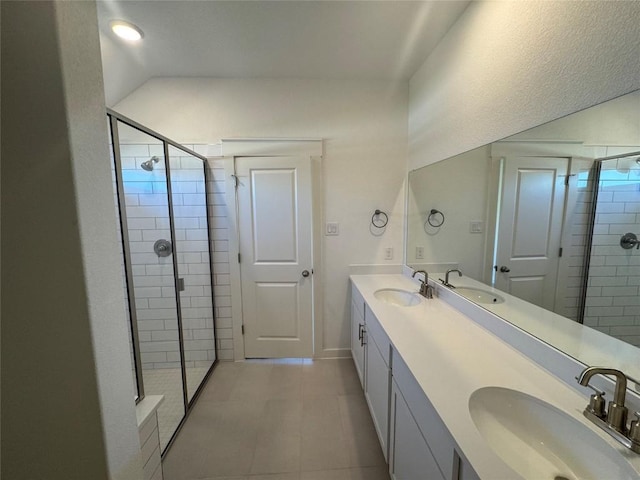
[(255, 147)]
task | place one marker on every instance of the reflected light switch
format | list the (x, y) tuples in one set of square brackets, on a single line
[(332, 228)]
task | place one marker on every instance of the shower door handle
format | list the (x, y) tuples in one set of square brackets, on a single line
[(181, 284)]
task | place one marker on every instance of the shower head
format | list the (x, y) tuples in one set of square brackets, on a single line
[(148, 165)]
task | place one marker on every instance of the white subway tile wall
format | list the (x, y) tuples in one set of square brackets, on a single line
[(613, 301), (219, 235), (148, 221), (576, 248)]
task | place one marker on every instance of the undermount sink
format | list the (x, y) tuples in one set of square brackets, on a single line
[(479, 296), (541, 442), (398, 297)]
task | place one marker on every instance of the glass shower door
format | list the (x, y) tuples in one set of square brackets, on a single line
[(150, 246), (190, 213)]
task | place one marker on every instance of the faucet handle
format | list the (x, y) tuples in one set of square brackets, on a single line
[(634, 430), (597, 403)]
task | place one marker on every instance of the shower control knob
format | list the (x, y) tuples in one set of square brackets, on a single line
[(629, 240), (162, 248)]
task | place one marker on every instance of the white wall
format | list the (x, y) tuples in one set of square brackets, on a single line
[(67, 396), (364, 124), (508, 66), (459, 188), (125, 72), (616, 122)]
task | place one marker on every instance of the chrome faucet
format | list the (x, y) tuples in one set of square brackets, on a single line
[(445, 282), (614, 421), (425, 289)]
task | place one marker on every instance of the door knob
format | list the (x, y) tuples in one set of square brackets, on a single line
[(305, 273), (504, 269)]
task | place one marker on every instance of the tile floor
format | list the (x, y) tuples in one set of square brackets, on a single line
[(279, 420), (168, 382)]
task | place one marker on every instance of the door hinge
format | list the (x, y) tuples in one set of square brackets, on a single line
[(560, 252), (243, 329), (566, 178), (238, 257)]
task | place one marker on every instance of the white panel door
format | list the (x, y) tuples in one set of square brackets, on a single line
[(274, 215), (530, 228)]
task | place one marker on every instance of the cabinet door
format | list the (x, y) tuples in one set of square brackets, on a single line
[(377, 391), (465, 472), (357, 346), (433, 429), (411, 458)]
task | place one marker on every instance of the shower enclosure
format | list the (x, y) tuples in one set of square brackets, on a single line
[(160, 189), (612, 303)]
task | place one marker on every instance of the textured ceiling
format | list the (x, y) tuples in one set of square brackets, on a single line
[(272, 39)]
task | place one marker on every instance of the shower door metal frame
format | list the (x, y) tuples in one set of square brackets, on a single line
[(114, 117), (128, 269)]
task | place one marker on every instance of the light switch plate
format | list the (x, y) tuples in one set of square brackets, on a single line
[(476, 227)]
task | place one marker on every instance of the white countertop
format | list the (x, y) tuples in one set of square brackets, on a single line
[(581, 342), (451, 356)]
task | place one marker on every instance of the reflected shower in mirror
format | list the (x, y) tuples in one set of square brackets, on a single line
[(520, 218), (612, 298)]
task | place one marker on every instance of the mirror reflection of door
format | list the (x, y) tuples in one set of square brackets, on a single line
[(274, 203), (528, 237)]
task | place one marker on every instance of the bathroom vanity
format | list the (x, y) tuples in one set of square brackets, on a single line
[(451, 400)]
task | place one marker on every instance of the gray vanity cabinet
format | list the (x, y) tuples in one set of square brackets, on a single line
[(410, 457), (437, 441), (357, 332), (370, 349), (414, 440), (378, 377)]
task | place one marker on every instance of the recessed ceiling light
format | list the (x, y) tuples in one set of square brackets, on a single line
[(125, 30)]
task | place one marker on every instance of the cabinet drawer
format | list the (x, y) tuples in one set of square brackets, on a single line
[(435, 433), (358, 300), (375, 331)]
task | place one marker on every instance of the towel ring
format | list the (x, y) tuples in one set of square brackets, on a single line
[(381, 223), (433, 218)]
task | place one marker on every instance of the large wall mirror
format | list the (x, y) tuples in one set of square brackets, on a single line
[(548, 217)]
